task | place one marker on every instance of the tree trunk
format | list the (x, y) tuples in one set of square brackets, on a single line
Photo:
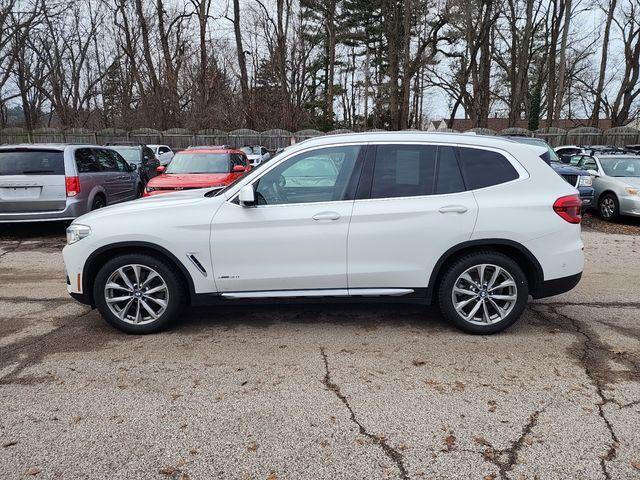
[(595, 114), (242, 64)]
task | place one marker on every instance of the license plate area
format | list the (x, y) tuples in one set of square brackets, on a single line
[(20, 193)]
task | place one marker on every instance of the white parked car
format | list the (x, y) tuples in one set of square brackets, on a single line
[(163, 153), (256, 154), (473, 224)]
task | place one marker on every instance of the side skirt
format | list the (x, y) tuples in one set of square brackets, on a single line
[(274, 297)]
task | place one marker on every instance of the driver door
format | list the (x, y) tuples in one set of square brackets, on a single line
[(295, 238)]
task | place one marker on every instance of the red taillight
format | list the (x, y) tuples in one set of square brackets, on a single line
[(72, 185), (569, 208)]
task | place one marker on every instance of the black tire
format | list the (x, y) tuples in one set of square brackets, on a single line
[(461, 265), (139, 191), (609, 207), (176, 297), (98, 202)]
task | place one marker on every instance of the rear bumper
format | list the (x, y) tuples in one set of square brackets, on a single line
[(549, 288), (74, 208)]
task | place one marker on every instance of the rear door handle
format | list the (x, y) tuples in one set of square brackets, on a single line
[(326, 216), (453, 209)]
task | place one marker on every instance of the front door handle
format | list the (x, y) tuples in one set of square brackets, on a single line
[(326, 216), (453, 209)]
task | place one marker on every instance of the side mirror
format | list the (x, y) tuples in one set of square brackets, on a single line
[(238, 168), (133, 167), (247, 196), (593, 173), (161, 168)]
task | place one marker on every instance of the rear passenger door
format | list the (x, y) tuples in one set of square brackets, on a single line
[(411, 207)]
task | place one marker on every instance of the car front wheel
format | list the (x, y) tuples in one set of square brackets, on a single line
[(609, 207), (138, 293), (483, 292)]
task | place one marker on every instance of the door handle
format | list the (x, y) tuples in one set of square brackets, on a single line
[(326, 216), (453, 209)]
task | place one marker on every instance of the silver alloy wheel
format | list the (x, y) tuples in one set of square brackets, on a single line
[(607, 207), (484, 294), (136, 294)]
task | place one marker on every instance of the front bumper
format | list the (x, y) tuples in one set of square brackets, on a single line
[(630, 205), (586, 195)]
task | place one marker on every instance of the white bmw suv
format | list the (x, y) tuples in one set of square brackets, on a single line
[(473, 224)]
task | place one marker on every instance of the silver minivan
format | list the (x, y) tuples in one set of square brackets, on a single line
[(40, 182)]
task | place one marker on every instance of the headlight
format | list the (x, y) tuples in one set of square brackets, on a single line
[(77, 232), (633, 191), (150, 189), (585, 181)]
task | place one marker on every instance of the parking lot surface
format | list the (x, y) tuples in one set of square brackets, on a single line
[(319, 391)]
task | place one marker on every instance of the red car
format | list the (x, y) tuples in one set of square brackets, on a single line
[(199, 168)]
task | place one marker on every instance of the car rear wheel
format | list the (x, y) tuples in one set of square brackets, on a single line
[(138, 293), (98, 202), (609, 207), (483, 293)]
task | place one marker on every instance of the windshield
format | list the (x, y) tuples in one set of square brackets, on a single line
[(192, 162), (130, 154), (251, 150), (621, 166)]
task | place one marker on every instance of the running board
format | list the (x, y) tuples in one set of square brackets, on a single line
[(360, 292)]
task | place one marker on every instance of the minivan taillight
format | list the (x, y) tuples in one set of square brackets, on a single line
[(72, 185), (569, 208)]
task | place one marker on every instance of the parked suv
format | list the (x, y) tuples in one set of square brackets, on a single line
[(572, 175), (142, 157), (61, 182), (474, 224)]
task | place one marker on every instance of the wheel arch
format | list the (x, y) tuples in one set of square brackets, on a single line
[(97, 190), (102, 254), (518, 252)]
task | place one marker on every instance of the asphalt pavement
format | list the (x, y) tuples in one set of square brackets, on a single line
[(319, 391)]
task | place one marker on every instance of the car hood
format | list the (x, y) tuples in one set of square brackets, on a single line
[(564, 169), (631, 181), (189, 180), (142, 206)]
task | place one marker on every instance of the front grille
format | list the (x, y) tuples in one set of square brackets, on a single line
[(571, 179)]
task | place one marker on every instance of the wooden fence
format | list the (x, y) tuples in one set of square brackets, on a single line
[(179, 138)]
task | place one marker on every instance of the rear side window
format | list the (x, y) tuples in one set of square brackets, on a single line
[(484, 168), (404, 171), (86, 161), (107, 162), (31, 162), (449, 177)]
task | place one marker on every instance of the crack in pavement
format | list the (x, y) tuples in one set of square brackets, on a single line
[(591, 304), (511, 453), (588, 362), (11, 250), (389, 451)]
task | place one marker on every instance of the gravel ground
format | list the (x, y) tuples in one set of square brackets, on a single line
[(319, 392)]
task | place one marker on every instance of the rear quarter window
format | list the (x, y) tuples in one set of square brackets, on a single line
[(31, 162), (485, 168)]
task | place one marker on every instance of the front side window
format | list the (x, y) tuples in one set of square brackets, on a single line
[(320, 175), (404, 171), (122, 164), (162, 150), (192, 162), (485, 168)]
